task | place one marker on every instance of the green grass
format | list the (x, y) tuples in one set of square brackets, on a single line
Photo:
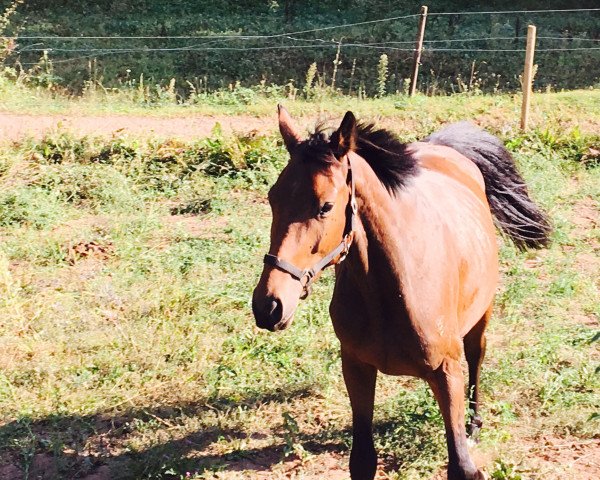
[(141, 354), (19, 98), (554, 113)]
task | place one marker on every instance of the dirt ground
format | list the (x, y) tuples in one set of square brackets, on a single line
[(576, 460), (14, 127)]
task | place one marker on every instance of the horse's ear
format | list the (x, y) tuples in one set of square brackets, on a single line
[(287, 128), (343, 140)]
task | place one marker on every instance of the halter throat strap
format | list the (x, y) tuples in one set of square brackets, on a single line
[(307, 276)]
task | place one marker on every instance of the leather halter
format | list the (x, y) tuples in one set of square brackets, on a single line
[(306, 276)]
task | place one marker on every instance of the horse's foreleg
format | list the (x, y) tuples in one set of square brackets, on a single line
[(448, 388), (474, 343), (360, 381)]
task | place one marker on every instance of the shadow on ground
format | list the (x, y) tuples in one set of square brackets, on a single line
[(96, 446), (100, 446)]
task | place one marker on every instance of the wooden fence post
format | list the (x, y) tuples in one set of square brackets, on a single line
[(528, 76), (418, 49)]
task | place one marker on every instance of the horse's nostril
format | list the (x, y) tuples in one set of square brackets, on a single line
[(275, 310), (274, 306), (268, 312)]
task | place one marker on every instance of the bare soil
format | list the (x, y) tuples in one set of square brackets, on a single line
[(14, 127)]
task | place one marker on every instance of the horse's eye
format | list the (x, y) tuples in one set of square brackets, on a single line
[(325, 209)]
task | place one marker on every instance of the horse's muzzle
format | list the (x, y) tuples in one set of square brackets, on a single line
[(268, 313)]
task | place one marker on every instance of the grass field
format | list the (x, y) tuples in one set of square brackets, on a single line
[(128, 349)]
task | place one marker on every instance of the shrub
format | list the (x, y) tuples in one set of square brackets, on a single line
[(30, 206), (98, 186)]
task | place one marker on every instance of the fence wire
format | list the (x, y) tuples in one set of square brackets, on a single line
[(215, 43)]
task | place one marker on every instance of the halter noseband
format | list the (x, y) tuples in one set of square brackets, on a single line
[(306, 276)]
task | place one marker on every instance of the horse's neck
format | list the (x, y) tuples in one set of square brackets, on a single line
[(377, 233)]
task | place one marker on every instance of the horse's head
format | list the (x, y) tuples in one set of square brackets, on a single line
[(313, 208)]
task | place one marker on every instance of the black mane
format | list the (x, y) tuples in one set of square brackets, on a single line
[(515, 212), (385, 154)]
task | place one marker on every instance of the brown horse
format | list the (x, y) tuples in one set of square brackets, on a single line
[(414, 225)]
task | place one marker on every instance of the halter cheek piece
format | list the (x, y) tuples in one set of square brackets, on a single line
[(306, 276)]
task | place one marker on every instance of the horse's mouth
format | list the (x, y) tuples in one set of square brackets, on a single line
[(278, 327), (284, 324)]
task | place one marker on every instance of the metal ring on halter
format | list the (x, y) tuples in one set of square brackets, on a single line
[(349, 240), (306, 278)]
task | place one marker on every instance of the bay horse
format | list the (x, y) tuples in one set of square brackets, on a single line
[(414, 225)]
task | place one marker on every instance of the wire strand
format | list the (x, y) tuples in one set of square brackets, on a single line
[(196, 49), (320, 29), (515, 11), (321, 41), (375, 46), (277, 35), (509, 49), (570, 39)]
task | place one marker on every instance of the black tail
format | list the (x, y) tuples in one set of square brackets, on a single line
[(506, 191)]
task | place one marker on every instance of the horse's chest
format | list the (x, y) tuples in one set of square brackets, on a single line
[(380, 335)]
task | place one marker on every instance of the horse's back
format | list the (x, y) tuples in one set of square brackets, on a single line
[(449, 162)]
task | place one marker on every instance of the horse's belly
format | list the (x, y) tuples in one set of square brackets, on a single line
[(478, 265), (386, 340), (390, 358), (453, 271)]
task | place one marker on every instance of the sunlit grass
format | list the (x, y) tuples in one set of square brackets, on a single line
[(126, 336)]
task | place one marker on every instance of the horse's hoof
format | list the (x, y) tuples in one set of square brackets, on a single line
[(363, 463), (474, 474), (474, 428), (480, 476)]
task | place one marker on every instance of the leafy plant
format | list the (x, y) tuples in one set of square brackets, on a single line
[(382, 75), (291, 437), (7, 42), (505, 471), (310, 77), (29, 206)]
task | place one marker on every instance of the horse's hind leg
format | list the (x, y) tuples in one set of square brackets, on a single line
[(360, 381), (448, 388), (474, 343)]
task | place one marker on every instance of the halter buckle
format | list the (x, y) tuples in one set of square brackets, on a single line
[(305, 281), (306, 278), (347, 244)]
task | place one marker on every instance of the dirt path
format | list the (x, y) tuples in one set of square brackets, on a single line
[(15, 127)]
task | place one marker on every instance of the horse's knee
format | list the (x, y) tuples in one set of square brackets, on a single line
[(363, 461)]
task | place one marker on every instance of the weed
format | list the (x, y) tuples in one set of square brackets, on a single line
[(291, 433), (100, 186), (505, 471), (382, 75), (310, 77), (193, 207)]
